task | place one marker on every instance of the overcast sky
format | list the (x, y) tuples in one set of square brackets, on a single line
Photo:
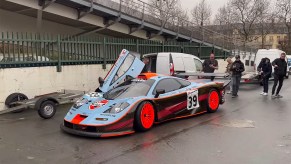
[(215, 5)]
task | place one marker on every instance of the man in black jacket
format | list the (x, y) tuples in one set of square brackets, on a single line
[(210, 65), (280, 67), (265, 68), (237, 68)]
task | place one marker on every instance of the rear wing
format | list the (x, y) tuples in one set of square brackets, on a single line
[(221, 75)]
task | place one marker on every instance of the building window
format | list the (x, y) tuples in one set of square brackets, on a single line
[(278, 38), (271, 39), (285, 38)]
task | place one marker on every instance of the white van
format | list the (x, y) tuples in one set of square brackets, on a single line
[(272, 54), (252, 61), (170, 63), (289, 63)]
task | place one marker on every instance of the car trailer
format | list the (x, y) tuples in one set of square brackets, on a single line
[(46, 105)]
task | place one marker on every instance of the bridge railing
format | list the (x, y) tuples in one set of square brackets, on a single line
[(165, 20), (35, 50)]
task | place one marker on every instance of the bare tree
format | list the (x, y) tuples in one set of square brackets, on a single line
[(224, 18), (265, 25), (283, 8), (131, 7), (246, 13), (201, 13), (180, 16), (165, 10)]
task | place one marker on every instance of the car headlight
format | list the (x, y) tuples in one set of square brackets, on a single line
[(117, 108), (80, 102)]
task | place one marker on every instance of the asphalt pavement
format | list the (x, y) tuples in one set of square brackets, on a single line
[(250, 129)]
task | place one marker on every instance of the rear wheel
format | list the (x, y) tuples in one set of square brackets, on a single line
[(144, 116), (213, 101), (14, 97)]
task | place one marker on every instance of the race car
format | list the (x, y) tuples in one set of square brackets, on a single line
[(128, 101)]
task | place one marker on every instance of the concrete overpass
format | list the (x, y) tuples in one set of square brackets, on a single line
[(115, 18)]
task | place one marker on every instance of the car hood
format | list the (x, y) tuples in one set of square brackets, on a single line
[(95, 110)]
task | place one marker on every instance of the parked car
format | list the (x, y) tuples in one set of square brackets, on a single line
[(21, 58), (124, 104), (170, 63)]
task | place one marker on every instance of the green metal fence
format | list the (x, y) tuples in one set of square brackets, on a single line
[(34, 50)]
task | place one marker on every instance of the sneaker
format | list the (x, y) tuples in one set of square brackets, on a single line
[(262, 93), (279, 96), (265, 94), (229, 92), (273, 96), (234, 96)]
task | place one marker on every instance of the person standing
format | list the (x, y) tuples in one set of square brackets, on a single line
[(210, 65), (236, 68), (265, 69), (280, 68), (146, 67), (229, 63)]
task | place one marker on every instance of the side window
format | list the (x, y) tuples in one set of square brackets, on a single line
[(168, 85), (124, 67), (252, 63), (184, 83), (247, 63), (198, 65)]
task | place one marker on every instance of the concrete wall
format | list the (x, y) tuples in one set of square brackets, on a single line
[(13, 22), (43, 80)]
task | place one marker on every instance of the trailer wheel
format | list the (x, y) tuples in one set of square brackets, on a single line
[(47, 109), (14, 97)]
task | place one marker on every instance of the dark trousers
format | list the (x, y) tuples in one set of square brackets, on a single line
[(280, 79), (266, 84), (235, 84)]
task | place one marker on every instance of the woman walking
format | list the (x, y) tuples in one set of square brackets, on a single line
[(229, 63)]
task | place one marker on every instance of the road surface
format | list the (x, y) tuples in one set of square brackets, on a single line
[(251, 129)]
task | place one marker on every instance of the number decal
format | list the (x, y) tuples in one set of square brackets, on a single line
[(192, 100)]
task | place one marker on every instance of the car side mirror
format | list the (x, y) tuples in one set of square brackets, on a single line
[(159, 92), (101, 81)]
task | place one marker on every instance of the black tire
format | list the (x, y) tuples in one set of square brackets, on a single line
[(138, 120), (213, 102), (14, 97), (47, 109)]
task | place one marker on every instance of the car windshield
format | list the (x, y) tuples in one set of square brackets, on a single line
[(135, 89)]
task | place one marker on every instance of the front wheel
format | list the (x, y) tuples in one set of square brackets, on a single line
[(213, 101), (144, 116), (47, 109)]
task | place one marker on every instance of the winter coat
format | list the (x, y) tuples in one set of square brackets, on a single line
[(237, 68), (282, 67), (266, 68)]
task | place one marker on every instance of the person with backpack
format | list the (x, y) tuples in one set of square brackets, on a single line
[(236, 68)]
